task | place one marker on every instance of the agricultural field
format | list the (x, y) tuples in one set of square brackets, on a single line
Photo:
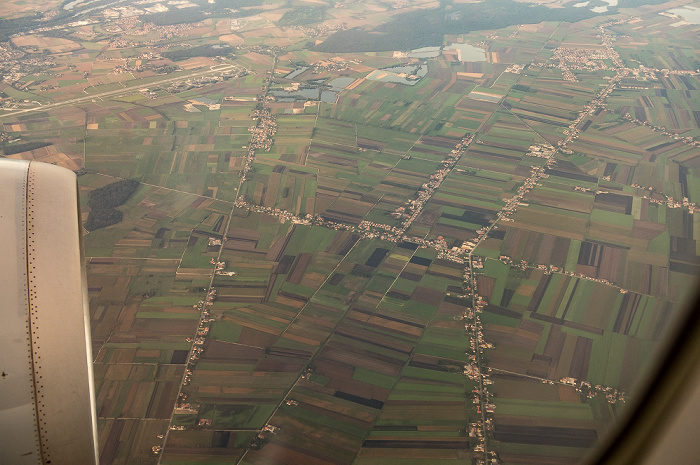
[(549, 326), (367, 257)]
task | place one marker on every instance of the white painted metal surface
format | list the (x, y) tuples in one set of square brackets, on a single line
[(47, 409), (19, 440)]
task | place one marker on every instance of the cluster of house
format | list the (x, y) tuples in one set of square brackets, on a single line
[(374, 229), (6, 138), (220, 266), (200, 336), (322, 29), (415, 207), (8, 52), (515, 69), (476, 431), (334, 64), (588, 59), (585, 388), (475, 371), (667, 200), (182, 406), (548, 269), (598, 102), (15, 65), (262, 134), (607, 41), (514, 202)]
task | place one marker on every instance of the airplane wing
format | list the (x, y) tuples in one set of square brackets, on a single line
[(47, 406)]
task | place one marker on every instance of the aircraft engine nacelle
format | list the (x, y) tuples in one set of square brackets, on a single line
[(47, 407)]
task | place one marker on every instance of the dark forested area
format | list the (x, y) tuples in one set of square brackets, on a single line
[(102, 218), (427, 27), (104, 200), (303, 15), (25, 147)]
